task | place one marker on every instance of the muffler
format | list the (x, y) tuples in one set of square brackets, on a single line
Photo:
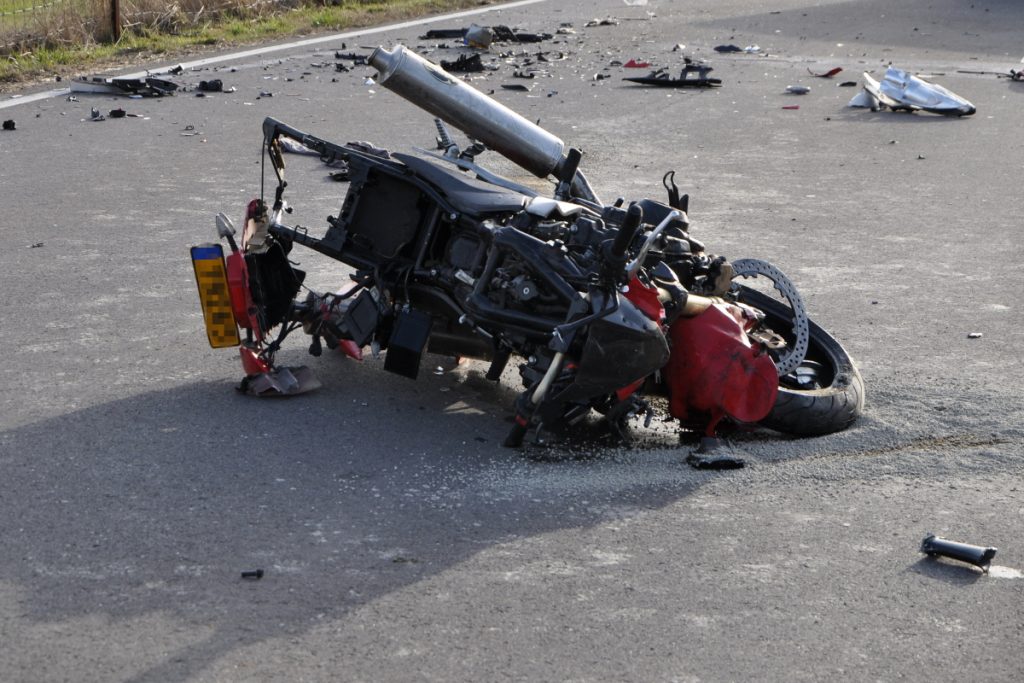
[(430, 87)]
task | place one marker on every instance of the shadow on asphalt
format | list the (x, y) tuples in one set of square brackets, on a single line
[(154, 504)]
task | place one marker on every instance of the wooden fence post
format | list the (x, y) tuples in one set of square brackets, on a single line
[(115, 20)]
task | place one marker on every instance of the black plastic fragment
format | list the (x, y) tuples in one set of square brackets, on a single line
[(215, 85), (254, 575), (9, 124), (977, 555), (714, 454), (464, 64)]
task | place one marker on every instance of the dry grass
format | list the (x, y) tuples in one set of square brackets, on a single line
[(72, 40)]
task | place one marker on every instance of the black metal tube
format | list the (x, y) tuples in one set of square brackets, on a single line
[(972, 554)]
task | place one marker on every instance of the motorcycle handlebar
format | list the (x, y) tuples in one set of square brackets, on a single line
[(634, 216)]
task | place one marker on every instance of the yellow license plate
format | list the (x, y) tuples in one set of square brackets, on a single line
[(212, 280)]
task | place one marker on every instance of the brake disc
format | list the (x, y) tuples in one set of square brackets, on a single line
[(791, 359)]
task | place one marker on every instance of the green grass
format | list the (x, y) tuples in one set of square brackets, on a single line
[(142, 43)]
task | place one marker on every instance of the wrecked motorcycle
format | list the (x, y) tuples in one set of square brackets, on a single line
[(605, 307)]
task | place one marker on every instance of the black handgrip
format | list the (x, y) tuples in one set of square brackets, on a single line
[(972, 554), (567, 169), (634, 216)]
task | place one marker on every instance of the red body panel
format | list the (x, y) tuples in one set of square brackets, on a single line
[(714, 369)]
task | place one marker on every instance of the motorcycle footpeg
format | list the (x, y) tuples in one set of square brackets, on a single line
[(979, 556)]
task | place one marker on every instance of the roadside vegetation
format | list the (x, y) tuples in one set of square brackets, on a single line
[(159, 30)]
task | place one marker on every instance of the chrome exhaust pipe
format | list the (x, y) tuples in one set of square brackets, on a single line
[(452, 100)]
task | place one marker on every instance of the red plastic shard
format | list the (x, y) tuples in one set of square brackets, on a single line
[(633, 64), (714, 370), (828, 74), (646, 299), (350, 349)]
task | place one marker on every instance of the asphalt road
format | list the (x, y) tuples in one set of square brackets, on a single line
[(399, 541)]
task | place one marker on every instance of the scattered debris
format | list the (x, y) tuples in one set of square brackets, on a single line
[(357, 60), (633, 64), (132, 87), (900, 91), (503, 34), (848, 84), (797, 89), (1011, 74), (117, 113), (95, 115), (464, 64), (254, 575), (215, 85), (282, 381), (792, 106), (828, 74), (189, 131), (36, 245), (713, 454), (479, 37), (692, 76), (9, 124), (728, 48), (975, 335), (601, 22), (977, 555), (519, 87)]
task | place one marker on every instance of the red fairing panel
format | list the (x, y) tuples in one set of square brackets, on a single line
[(714, 369)]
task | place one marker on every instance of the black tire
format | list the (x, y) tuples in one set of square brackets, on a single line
[(837, 400)]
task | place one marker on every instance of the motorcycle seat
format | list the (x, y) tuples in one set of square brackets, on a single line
[(468, 195)]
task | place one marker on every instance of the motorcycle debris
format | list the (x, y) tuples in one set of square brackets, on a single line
[(692, 76), (902, 91), (797, 89), (37, 245), (356, 59), (518, 87), (283, 381), (215, 85), (979, 556), (713, 454), (254, 575), (9, 124), (479, 37), (132, 87), (464, 64), (975, 335), (117, 113), (95, 115), (634, 64), (828, 74), (601, 22), (725, 49), (848, 84), (792, 106)]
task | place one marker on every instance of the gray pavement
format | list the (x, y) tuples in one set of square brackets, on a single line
[(400, 541)]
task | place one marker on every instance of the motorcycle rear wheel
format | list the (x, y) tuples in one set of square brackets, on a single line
[(835, 398)]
